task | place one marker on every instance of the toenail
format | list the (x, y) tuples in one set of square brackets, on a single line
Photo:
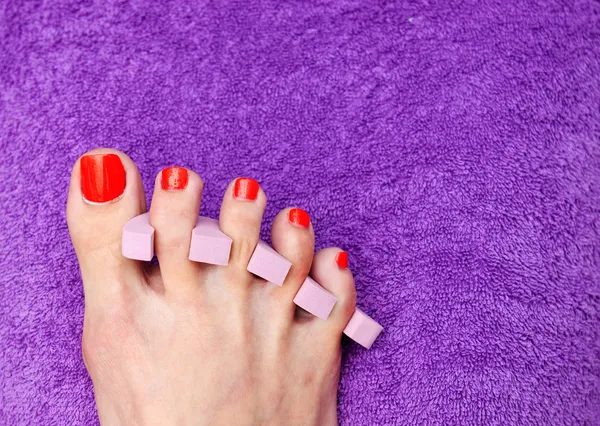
[(246, 189), (174, 178), (102, 177), (299, 217), (342, 260)]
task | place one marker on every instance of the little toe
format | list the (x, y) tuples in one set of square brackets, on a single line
[(105, 192), (173, 214), (330, 270), (293, 237), (240, 218)]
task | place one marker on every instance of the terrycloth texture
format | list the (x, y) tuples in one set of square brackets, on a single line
[(452, 148)]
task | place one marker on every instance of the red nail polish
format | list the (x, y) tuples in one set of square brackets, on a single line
[(174, 178), (246, 189), (102, 177), (299, 217), (342, 260)]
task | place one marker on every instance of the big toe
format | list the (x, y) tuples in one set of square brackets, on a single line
[(105, 192)]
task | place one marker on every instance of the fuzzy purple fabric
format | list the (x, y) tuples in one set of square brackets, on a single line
[(453, 148)]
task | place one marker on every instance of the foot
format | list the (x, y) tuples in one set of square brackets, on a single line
[(189, 343)]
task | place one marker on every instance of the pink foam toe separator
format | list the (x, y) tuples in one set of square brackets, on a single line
[(138, 239), (209, 244), (315, 299), (268, 264), (362, 329)]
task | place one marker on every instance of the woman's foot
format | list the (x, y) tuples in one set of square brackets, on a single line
[(191, 343)]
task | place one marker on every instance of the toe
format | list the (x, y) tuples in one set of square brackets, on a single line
[(330, 269), (241, 216), (293, 237), (105, 192), (173, 214)]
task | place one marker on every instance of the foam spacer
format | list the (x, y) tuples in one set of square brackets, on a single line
[(268, 264), (315, 299), (209, 244), (138, 239), (362, 329)]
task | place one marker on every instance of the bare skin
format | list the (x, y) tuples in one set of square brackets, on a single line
[(194, 344)]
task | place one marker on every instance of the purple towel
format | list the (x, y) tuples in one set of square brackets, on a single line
[(452, 148)]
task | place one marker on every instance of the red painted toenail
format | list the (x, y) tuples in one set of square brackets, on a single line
[(342, 260), (174, 178), (299, 217), (102, 177), (246, 189)]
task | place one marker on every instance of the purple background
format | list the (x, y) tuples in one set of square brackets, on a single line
[(453, 148)]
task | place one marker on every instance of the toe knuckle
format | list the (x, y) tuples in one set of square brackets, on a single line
[(244, 248), (299, 272)]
